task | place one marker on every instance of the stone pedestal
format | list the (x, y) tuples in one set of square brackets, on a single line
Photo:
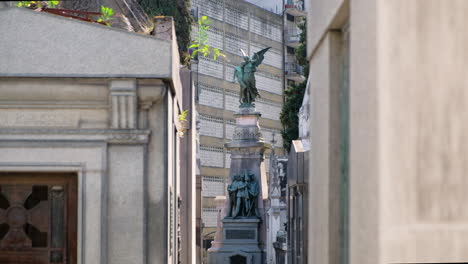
[(244, 237), (240, 243)]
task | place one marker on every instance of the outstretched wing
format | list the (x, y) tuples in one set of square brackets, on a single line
[(243, 52), (259, 56)]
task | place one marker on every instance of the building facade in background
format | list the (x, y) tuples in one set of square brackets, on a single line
[(235, 25), (294, 15)]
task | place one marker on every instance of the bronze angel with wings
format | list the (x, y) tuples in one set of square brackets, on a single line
[(245, 75)]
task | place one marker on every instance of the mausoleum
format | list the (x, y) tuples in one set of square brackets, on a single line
[(89, 150)]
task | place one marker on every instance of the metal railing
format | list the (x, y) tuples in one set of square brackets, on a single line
[(292, 35), (291, 68)]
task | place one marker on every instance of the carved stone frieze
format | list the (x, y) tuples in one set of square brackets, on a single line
[(102, 135), (251, 152), (247, 133)]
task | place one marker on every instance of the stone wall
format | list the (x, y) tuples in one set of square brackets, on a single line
[(406, 131)]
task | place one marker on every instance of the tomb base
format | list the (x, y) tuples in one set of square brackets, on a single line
[(240, 243)]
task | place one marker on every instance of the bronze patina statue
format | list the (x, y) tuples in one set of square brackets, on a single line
[(245, 75), (243, 193)]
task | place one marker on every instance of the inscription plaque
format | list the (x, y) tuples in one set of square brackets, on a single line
[(240, 234)]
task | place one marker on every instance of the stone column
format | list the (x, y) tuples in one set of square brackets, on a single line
[(244, 236)]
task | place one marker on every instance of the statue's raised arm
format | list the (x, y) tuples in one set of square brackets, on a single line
[(258, 57)]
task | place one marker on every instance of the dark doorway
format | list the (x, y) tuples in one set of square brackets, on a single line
[(238, 259), (38, 213)]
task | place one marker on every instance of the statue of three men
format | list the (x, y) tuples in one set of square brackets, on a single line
[(243, 193)]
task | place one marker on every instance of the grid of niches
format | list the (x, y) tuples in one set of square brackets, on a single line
[(210, 8), (231, 101), (229, 128), (215, 38), (210, 67), (234, 43), (216, 9), (211, 96), (213, 186), (209, 216), (211, 156), (274, 57), (265, 28), (211, 126), (236, 18), (269, 109), (229, 72), (269, 82), (227, 160)]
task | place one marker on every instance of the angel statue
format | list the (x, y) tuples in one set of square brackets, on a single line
[(245, 75)]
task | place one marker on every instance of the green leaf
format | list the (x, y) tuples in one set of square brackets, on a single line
[(106, 15), (183, 116), (24, 4), (52, 4)]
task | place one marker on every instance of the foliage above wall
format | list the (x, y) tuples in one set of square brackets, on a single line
[(104, 17), (180, 10), (200, 43), (37, 4), (294, 94)]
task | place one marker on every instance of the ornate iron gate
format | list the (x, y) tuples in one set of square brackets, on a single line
[(38, 218)]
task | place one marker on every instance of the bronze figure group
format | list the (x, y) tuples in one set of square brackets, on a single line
[(243, 193)]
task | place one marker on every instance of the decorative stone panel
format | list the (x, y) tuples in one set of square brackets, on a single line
[(123, 101)]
